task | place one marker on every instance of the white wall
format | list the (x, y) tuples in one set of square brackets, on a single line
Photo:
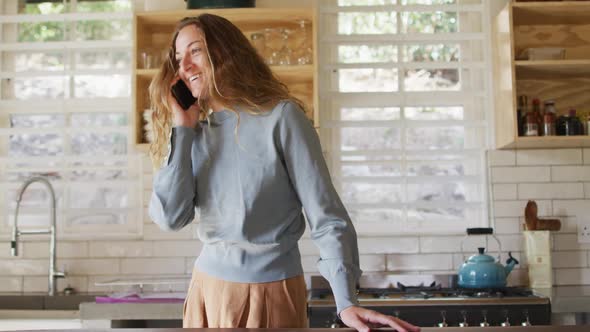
[(559, 180)]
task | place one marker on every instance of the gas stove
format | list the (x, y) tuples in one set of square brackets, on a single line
[(434, 301)]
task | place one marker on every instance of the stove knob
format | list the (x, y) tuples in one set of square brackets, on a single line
[(444, 319), (464, 322), (527, 322), (506, 323), (485, 319), (335, 326)]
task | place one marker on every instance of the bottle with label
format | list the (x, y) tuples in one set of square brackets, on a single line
[(549, 118)]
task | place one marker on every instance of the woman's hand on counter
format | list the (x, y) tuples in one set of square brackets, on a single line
[(363, 320)]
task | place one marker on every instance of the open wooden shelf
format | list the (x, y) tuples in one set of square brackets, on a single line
[(551, 12), (549, 142), (552, 68), (153, 31), (523, 25)]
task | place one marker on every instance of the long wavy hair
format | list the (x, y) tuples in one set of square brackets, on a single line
[(237, 77)]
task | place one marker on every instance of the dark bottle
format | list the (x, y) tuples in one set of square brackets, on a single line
[(569, 125), (538, 115), (521, 112)]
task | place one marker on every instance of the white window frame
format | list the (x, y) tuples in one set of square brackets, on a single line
[(328, 98), (131, 162)]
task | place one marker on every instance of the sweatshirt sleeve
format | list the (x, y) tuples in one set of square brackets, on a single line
[(331, 228), (172, 203)]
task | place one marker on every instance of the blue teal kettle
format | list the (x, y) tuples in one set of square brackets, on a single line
[(484, 271)]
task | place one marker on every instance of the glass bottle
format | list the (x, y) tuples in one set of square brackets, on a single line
[(521, 112), (538, 115), (549, 118), (531, 126)]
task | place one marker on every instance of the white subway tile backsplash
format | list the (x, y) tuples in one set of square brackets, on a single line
[(153, 265), (572, 276), (189, 264), (11, 284), (372, 263), (502, 157), (520, 174), (177, 248), (40, 284), (586, 155), (570, 173), (561, 259), (550, 190), (568, 224), (35, 284), (568, 242), (121, 249), (504, 192), (24, 267), (587, 190), (419, 262), (388, 245), (549, 157), (576, 207), (5, 254), (503, 209), (89, 266), (64, 249), (508, 225), (509, 242), (440, 244)]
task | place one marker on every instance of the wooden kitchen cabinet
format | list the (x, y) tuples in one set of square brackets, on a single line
[(522, 25), (153, 31)]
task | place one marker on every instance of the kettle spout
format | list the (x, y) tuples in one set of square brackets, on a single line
[(510, 263)]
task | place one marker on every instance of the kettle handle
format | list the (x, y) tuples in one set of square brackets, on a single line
[(482, 231)]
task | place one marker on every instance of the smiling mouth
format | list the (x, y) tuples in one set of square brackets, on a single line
[(194, 77)]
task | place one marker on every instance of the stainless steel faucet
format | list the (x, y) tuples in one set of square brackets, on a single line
[(53, 273)]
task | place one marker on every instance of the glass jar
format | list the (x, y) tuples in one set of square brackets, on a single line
[(531, 125)]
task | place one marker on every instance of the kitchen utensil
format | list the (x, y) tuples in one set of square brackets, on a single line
[(481, 270)]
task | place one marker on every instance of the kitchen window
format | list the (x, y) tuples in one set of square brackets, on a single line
[(65, 98), (405, 99)]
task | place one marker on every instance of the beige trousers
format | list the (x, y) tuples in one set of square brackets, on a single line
[(212, 302)]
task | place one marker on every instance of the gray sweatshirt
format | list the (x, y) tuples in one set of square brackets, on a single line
[(250, 189)]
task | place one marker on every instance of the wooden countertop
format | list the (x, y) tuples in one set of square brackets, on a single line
[(585, 328)]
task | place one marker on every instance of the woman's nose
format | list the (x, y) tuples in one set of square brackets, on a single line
[(186, 63)]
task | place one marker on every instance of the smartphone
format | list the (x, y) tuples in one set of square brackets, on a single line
[(183, 95)]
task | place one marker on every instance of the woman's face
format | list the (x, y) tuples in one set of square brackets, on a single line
[(192, 60)]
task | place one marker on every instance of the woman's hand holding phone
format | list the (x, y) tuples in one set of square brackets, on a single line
[(181, 117)]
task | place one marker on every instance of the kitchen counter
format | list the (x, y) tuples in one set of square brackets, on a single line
[(564, 299), (568, 299), (430, 329)]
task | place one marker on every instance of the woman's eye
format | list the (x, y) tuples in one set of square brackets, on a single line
[(195, 51)]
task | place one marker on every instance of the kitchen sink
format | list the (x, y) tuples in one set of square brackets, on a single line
[(43, 302)]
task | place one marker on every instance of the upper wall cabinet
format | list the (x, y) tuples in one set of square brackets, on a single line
[(542, 51), (282, 34)]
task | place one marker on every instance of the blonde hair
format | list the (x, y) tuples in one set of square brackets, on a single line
[(238, 76)]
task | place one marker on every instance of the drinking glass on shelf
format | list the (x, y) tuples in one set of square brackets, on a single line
[(304, 53), (259, 43), (285, 52), (149, 59), (273, 43)]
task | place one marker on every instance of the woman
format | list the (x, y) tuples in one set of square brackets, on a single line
[(250, 165)]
